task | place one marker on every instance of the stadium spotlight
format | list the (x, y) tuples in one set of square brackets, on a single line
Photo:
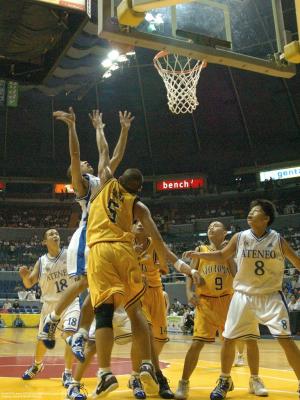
[(106, 63), (113, 55)]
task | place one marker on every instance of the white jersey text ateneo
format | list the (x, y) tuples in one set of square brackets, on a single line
[(93, 185), (260, 263), (53, 276)]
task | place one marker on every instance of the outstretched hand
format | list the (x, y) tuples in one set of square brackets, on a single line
[(68, 118), (96, 119), (125, 119)]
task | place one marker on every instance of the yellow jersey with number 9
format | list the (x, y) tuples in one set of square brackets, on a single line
[(111, 215), (218, 277)]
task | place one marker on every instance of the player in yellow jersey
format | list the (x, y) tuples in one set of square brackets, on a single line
[(211, 298), (154, 307), (114, 274)]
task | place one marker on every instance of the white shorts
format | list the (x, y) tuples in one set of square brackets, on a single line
[(247, 311), (69, 320), (77, 253), (121, 327)]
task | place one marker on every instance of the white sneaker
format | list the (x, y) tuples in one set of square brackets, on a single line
[(240, 361), (182, 391), (257, 387)]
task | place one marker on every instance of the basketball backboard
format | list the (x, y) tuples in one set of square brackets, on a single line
[(246, 34)]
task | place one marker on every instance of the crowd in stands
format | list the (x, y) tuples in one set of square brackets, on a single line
[(35, 217)]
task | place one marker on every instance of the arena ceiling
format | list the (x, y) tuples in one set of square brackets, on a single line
[(244, 119)]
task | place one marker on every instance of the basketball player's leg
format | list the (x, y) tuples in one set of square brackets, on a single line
[(74, 389), (78, 340), (37, 366), (253, 356), (241, 322), (52, 319)]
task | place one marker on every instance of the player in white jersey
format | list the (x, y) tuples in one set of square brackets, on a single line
[(260, 254), (85, 184), (50, 271)]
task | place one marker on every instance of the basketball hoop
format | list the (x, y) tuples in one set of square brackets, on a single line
[(180, 75)]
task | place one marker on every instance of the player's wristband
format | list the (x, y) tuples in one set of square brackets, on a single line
[(178, 264), (193, 271)]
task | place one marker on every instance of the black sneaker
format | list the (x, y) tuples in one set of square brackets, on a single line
[(164, 389), (32, 371), (108, 382), (224, 385), (48, 332), (148, 379)]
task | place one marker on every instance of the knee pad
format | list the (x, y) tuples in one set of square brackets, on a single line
[(104, 316)]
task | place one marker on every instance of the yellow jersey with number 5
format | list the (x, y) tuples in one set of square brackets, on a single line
[(217, 276), (111, 214)]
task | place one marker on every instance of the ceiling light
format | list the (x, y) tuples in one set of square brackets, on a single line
[(106, 63), (130, 53), (113, 55), (114, 67), (107, 74), (122, 58)]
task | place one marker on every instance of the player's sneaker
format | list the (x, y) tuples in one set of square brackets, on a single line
[(66, 379), (77, 343), (73, 392), (48, 332), (224, 385), (164, 389), (32, 371), (107, 383), (135, 384), (257, 387), (182, 391), (148, 379), (240, 362)]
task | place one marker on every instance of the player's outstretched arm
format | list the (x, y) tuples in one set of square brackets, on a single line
[(104, 172), (28, 277), (79, 184), (290, 254), (125, 120), (142, 213), (220, 255)]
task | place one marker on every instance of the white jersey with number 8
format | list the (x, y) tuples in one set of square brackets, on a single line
[(260, 263)]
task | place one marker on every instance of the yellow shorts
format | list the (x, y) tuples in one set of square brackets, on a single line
[(210, 317), (113, 270), (155, 310)]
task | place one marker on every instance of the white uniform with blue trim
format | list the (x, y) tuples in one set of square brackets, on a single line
[(77, 250), (257, 285), (53, 280)]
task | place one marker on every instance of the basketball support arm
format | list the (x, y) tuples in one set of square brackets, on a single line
[(132, 12)]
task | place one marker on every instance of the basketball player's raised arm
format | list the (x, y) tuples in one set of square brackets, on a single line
[(104, 171), (79, 184), (28, 277), (117, 157), (220, 255), (142, 213), (290, 254)]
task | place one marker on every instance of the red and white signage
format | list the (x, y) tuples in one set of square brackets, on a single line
[(74, 4), (61, 188), (180, 184)]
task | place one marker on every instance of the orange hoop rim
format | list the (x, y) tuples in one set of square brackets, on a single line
[(164, 53)]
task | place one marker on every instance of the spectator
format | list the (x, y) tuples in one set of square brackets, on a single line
[(2, 323), (294, 304), (18, 322), (7, 305)]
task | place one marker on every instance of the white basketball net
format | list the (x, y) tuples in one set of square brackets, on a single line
[(180, 75)]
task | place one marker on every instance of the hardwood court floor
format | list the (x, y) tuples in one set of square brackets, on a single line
[(16, 354)]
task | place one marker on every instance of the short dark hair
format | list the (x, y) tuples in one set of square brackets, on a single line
[(268, 208), (132, 180)]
